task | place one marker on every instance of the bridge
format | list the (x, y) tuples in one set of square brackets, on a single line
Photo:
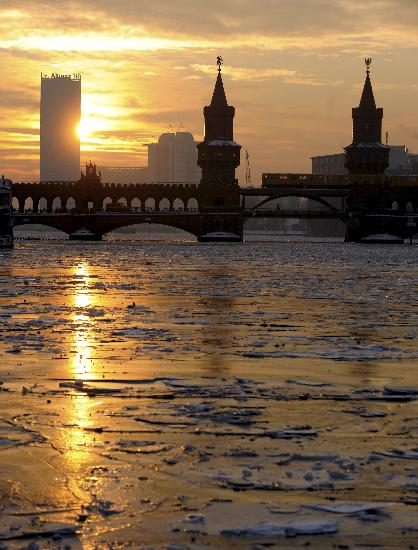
[(99, 208)]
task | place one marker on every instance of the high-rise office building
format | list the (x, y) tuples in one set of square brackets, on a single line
[(60, 119), (173, 159)]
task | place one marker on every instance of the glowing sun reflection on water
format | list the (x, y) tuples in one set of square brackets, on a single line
[(81, 367)]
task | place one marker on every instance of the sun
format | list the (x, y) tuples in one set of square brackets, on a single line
[(90, 125), (85, 128)]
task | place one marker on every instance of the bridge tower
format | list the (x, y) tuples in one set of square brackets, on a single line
[(218, 157), (219, 154), (367, 154)]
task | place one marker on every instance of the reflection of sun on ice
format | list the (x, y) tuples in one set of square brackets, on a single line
[(82, 300), (79, 438), (82, 270), (81, 360), (82, 297), (82, 342)]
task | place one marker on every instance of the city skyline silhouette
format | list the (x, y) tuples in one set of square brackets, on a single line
[(293, 83)]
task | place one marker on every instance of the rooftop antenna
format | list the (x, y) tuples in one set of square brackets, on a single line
[(387, 138), (170, 128), (181, 126), (248, 170)]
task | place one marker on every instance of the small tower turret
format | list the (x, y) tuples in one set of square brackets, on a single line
[(367, 154)]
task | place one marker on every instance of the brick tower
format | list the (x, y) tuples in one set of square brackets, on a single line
[(218, 153), (367, 154)]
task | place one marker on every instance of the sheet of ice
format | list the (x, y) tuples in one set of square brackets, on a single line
[(348, 507), (295, 528), (150, 384)]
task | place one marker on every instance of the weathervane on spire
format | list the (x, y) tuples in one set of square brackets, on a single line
[(368, 62), (219, 62)]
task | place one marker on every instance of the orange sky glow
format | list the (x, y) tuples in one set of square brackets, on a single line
[(293, 70)]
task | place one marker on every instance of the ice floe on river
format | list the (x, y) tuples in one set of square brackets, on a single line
[(177, 396)]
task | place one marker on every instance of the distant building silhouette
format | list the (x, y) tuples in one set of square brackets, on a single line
[(123, 174), (401, 161), (59, 121), (367, 154), (173, 159), (329, 164)]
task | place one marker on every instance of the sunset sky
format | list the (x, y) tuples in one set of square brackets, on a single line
[(293, 70)]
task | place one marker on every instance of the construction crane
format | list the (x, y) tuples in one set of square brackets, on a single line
[(248, 170)]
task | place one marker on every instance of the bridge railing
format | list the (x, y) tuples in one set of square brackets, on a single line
[(305, 180), (41, 213), (187, 185)]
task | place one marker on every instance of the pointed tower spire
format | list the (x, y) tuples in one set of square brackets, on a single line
[(219, 116), (367, 118), (367, 98), (219, 100)]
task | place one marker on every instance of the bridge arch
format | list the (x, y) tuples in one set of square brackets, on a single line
[(136, 204), (56, 233), (106, 202), (70, 204), (300, 195), (184, 232), (150, 204), (15, 204), (123, 201), (164, 205), (192, 205), (178, 205), (42, 205), (28, 204), (56, 204)]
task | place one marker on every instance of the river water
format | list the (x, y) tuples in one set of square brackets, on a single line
[(177, 395)]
